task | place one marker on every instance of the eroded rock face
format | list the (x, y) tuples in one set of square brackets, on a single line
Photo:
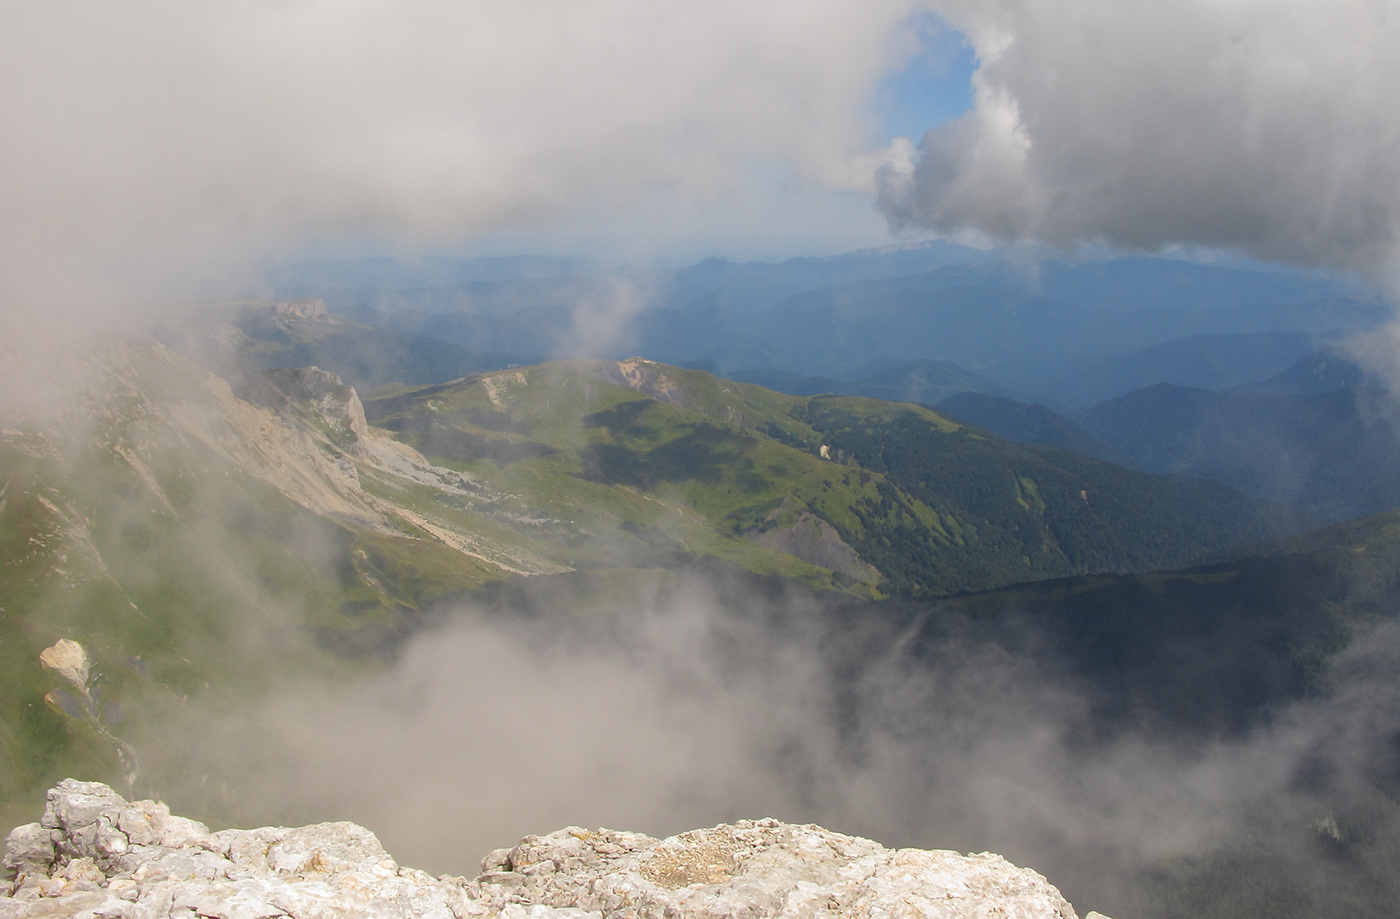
[(96, 856)]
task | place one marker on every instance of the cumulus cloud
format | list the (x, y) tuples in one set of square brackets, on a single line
[(158, 134), (1269, 127)]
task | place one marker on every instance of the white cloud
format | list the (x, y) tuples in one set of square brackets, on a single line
[(1273, 127), (157, 133)]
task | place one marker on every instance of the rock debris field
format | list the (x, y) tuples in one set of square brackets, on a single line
[(95, 855)]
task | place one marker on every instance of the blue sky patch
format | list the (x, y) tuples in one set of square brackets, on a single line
[(934, 84)]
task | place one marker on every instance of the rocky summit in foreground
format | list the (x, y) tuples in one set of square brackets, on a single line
[(97, 856)]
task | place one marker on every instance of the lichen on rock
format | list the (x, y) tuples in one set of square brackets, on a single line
[(95, 855)]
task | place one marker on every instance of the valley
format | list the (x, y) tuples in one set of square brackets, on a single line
[(911, 439), (260, 501)]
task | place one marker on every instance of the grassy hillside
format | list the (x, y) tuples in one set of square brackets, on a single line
[(924, 382), (149, 523), (202, 545), (174, 578), (197, 542), (637, 480), (936, 508)]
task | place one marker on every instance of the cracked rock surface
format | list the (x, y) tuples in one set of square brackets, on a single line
[(97, 856)]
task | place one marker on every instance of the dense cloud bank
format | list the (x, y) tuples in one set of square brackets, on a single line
[(1271, 127), (157, 135), (148, 143)]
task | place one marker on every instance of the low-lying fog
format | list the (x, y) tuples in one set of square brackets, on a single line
[(697, 704)]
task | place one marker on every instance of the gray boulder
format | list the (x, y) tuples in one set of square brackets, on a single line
[(95, 855)]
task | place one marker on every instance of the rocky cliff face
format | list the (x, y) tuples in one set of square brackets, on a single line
[(96, 856)]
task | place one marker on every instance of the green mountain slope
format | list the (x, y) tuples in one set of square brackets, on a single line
[(204, 542), (188, 539), (924, 382), (934, 507), (196, 539)]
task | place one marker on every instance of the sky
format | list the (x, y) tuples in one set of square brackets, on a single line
[(769, 210), (930, 86), (158, 147), (1265, 127), (160, 144)]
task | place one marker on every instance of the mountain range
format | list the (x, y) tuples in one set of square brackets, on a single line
[(1029, 322), (254, 490), (167, 505)]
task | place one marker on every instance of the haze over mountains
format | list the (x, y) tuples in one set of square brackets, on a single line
[(469, 549), (226, 527), (834, 317), (930, 322)]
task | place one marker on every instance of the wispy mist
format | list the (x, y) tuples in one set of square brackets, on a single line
[(156, 147), (156, 144), (695, 705)]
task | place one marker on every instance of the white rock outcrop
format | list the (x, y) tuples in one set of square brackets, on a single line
[(69, 660), (96, 856)]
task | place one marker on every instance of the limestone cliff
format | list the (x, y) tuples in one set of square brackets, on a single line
[(96, 856)]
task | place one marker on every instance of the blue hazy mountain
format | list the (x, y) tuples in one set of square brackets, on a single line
[(1222, 361), (924, 382), (832, 316), (1325, 370), (439, 282), (1330, 454), (1027, 424)]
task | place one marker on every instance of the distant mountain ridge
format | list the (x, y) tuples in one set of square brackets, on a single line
[(832, 316), (203, 537), (172, 511), (932, 507), (1326, 370), (1219, 361), (1331, 454), (1027, 424), (1124, 283), (924, 382)]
